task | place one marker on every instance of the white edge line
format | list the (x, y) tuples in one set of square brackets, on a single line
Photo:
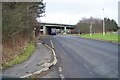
[(51, 43), (55, 59), (46, 65)]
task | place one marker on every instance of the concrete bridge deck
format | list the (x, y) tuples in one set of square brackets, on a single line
[(45, 28)]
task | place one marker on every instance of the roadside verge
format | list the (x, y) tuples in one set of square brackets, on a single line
[(21, 58), (108, 37), (101, 40)]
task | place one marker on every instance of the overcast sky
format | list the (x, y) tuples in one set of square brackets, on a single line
[(71, 11)]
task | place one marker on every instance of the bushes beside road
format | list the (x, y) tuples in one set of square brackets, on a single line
[(18, 29)]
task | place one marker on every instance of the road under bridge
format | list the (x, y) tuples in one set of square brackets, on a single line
[(45, 28)]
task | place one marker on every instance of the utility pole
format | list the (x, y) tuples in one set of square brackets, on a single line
[(91, 29), (103, 24)]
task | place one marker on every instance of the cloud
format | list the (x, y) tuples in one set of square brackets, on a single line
[(71, 11), (61, 18)]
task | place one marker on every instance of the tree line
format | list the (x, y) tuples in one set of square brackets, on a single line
[(18, 19), (97, 25)]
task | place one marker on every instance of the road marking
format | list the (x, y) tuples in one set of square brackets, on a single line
[(26, 75), (51, 43), (85, 65), (55, 59), (39, 43), (60, 69), (62, 77), (91, 72)]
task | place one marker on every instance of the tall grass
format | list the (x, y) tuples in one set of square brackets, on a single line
[(24, 56)]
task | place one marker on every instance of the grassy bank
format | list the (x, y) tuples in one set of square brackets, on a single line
[(24, 56), (107, 37)]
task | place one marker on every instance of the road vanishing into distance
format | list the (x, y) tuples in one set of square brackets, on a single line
[(83, 58)]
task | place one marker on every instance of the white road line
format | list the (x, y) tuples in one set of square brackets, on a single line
[(60, 69), (62, 77), (51, 43), (55, 59), (85, 65), (37, 72), (26, 75), (39, 43), (91, 72)]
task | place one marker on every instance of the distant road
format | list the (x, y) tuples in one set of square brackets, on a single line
[(84, 58)]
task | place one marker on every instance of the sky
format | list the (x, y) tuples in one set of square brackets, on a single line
[(71, 11)]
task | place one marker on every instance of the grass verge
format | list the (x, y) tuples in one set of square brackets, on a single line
[(24, 56), (107, 37)]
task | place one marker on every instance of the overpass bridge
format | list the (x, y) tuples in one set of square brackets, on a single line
[(45, 28)]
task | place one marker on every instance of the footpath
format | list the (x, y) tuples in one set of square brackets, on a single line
[(41, 60)]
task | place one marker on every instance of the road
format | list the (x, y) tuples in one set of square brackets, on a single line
[(84, 58)]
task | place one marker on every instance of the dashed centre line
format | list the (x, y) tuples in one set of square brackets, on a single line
[(61, 75), (60, 69), (89, 70)]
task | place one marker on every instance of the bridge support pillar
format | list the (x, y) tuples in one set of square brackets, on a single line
[(65, 29), (44, 29)]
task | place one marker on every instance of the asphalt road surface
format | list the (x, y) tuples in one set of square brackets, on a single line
[(84, 58)]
